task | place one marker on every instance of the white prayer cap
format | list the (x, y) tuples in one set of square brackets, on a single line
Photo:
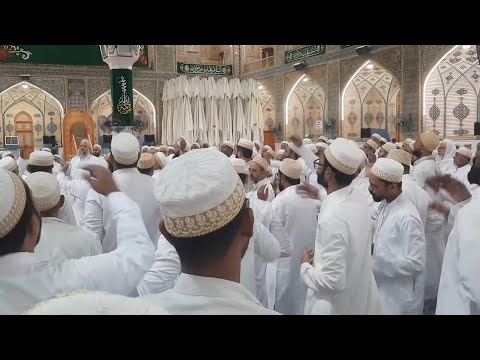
[(261, 161), (284, 142), (47, 150), (465, 151), (312, 148), (409, 142), (399, 145), (429, 140), (146, 161), (306, 141), (125, 148), (344, 155), (281, 152), (388, 170), (321, 144), (329, 141), (245, 143), (199, 193), (45, 190), (239, 165), (382, 139), (41, 158), (161, 159), (195, 143), (324, 138), (291, 168), (144, 148), (373, 144), (268, 147), (8, 163), (152, 148), (171, 148), (269, 150), (97, 146), (258, 143), (163, 148), (94, 303), (388, 146), (6, 153), (376, 136), (401, 156), (229, 144), (13, 201)]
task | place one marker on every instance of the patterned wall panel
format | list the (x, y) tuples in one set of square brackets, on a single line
[(6, 82), (431, 54), (165, 58), (147, 87), (279, 105), (268, 102), (95, 88), (411, 90), (54, 86), (451, 93), (333, 119), (76, 94)]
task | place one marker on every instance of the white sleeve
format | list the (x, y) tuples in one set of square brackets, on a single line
[(468, 248), (278, 230), (93, 214), (265, 244), (119, 271), (409, 262), (331, 275), (164, 271), (306, 155)]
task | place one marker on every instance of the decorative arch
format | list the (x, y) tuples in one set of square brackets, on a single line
[(144, 110), (370, 99), (305, 109), (45, 111), (451, 94)]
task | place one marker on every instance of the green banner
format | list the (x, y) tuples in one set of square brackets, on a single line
[(304, 52), (185, 68), (88, 55), (122, 96)]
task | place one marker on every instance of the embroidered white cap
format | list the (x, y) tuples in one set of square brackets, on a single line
[(199, 193), (429, 140), (146, 161), (306, 141), (344, 155), (373, 144), (8, 163), (229, 144), (41, 158), (161, 158), (376, 136), (401, 156), (388, 169), (388, 146), (261, 161), (465, 151), (13, 201), (321, 144), (239, 165), (245, 143), (6, 153), (291, 168), (324, 138), (45, 190), (125, 148)]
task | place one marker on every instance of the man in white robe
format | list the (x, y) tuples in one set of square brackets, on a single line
[(399, 247), (462, 166), (299, 217), (445, 152), (259, 177), (227, 148), (98, 217), (58, 240), (425, 165), (21, 163), (160, 161), (210, 226), (339, 273), (84, 157), (433, 223), (7, 163), (459, 290), (26, 280)]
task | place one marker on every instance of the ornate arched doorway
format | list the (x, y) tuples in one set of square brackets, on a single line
[(24, 130), (77, 125)]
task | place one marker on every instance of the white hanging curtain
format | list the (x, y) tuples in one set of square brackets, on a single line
[(224, 94)]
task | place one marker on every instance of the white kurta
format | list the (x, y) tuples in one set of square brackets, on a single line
[(78, 162), (299, 217), (461, 174), (26, 280), (271, 193), (399, 257), (139, 188), (434, 236), (75, 192), (459, 290), (425, 168), (61, 241), (341, 280), (22, 166), (200, 295)]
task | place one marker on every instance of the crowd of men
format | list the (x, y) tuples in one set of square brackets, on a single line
[(333, 227)]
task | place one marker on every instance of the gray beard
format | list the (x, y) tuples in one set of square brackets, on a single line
[(82, 155)]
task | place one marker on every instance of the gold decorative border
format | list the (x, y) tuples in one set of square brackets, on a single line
[(210, 220), (386, 176)]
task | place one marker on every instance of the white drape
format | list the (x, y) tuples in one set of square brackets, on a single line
[(211, 110)]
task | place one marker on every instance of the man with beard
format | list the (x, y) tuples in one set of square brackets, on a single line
[(462, 166), (339, 276), (83, 158), (25, 280), (96, 150), (445, 152), (210, 247), (227, 148), (259, 176), (399, 247), (425, 165), (299, 217)]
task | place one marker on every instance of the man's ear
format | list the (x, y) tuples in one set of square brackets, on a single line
[(164, 231), (246, 227), (61, 202)]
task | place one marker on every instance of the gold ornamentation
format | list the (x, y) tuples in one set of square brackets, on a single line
[(386, 176)]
